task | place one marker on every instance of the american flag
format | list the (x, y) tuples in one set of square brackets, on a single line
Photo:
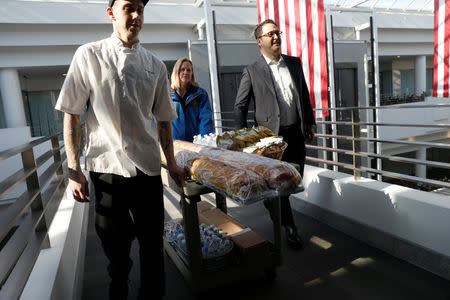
[(441, 48), (303, 25)]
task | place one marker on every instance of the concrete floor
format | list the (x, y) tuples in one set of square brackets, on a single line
[(331, 265)]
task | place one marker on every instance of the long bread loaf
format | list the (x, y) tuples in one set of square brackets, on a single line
[(278, 175), (236, 182)]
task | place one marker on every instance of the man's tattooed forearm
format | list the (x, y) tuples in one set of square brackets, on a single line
[(165, 139), (72, 140), (165, 136)]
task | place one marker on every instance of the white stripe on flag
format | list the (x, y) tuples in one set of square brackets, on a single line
[(271, 10), (304, 38), (292, 22), (282, 26)]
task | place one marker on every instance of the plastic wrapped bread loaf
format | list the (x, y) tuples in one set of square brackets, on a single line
[(237, 183), (278, 175)]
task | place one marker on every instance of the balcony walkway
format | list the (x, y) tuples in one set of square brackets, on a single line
[(331, 265)]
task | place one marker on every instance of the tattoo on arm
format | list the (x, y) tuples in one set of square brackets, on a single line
[(165, 139), (72, 140)]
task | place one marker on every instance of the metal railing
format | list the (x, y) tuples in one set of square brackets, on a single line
[(327, 136), (24, 220), (356, 140)]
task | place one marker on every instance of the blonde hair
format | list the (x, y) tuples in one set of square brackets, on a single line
[(175, 77)]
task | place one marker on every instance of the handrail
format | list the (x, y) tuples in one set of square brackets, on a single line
[(405, 142), (396, 106), (24, 223), (357, 137), (21, 148), (385, 124)]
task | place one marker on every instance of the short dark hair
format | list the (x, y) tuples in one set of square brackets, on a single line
[(258, 28)]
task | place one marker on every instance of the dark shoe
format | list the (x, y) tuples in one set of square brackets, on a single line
[(293, 239), (268, 206)]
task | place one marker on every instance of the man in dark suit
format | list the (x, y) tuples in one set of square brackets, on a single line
[(278, 88)]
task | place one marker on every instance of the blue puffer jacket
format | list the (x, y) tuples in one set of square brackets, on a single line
[(196, 118)]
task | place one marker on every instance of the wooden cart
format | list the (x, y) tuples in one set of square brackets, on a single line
[(192, 269)]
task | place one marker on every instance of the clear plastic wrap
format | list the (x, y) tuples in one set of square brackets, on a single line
[(228, 179), (279, 175), (240, 184), (242, 176)]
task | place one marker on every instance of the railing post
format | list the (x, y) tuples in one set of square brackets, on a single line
[(356, 144), (57, 154), (29, 162)]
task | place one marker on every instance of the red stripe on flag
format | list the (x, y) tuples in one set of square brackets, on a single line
[(288, 34), (446, 46), (298, 28), (276, 13), (436, 45), (323, 59), (266, 9), (309, 28)]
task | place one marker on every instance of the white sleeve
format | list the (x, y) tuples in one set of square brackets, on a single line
[(75, 90), (163, 109)]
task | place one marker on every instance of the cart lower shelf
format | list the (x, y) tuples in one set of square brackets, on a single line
[(248, 265), (240, 271)]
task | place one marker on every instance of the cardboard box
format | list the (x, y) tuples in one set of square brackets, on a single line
[(251, 245), (204, 206)]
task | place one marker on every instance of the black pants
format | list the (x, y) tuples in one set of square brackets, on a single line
[(295, 153), (142, 196)]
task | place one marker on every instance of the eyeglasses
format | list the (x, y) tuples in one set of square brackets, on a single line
[(271, 34)]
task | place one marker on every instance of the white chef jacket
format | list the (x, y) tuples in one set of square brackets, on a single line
[(123, 91), (285, 90)]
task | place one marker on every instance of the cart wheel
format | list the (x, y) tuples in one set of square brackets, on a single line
[(270, 275)]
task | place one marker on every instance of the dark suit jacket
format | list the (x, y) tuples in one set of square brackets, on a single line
[(257, 84)]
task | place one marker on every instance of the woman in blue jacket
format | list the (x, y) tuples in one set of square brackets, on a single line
[(191, 102)]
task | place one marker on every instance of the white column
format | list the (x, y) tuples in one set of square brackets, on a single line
[(421, 170), (213, 66), (12, 98), (420, 74)]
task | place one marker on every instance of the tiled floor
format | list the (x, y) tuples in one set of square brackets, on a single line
[(332, 265)]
